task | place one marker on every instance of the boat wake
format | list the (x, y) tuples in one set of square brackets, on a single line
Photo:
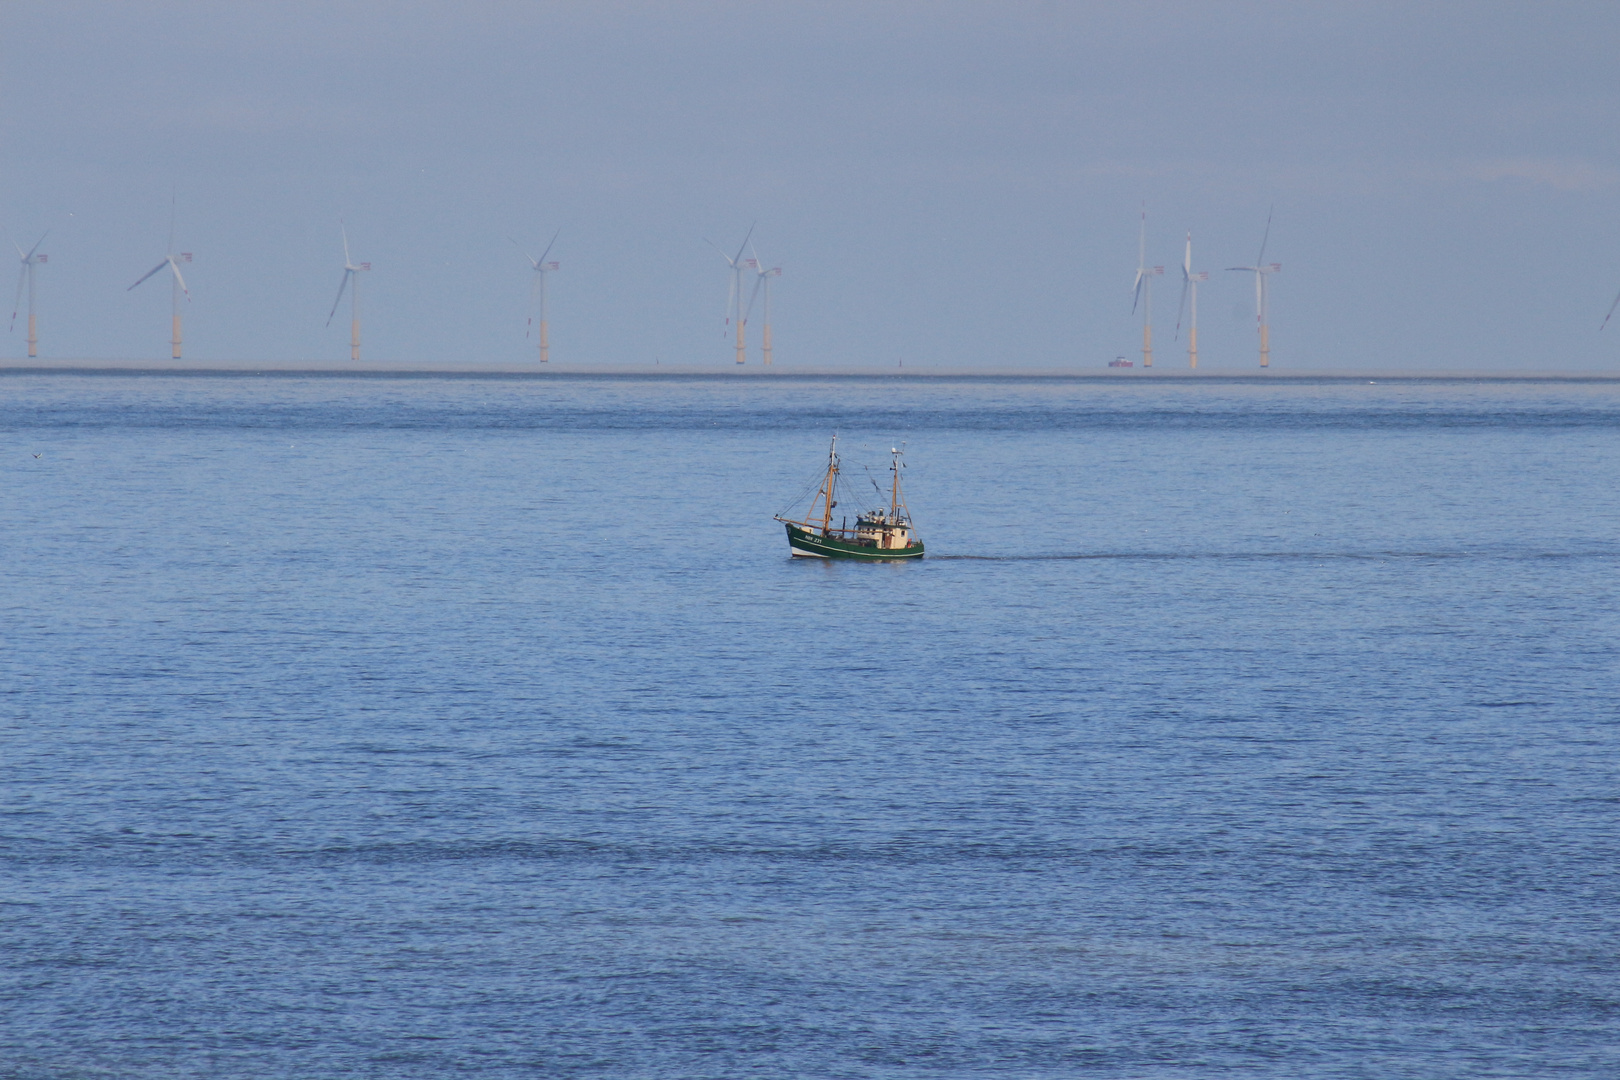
[(1238, 556)]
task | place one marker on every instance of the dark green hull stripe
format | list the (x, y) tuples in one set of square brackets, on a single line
[(828, 548)]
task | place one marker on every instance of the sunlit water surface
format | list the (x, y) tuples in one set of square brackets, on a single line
[(429, 727)]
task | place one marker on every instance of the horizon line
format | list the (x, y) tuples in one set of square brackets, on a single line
[(375, 368)]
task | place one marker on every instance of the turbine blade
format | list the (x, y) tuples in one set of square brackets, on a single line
[(549, 246), (150, 272), (744, 244), (1136, 291), (1181, 307), (1606, 318), (176, 268), (532, 260), (1261, 261), (347, 262), (22, 279), (1186, 262), (35, 248), (721, 250), (339, 298)]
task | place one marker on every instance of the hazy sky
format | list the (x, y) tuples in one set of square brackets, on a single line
[(952, 184)]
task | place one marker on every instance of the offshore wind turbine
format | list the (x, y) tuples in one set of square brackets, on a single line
[(351, 269), (763, 281), (178, 286), (1262, 270), (26, 277), (1189, 285), (1143, 292), (734, 304), (537, 293)]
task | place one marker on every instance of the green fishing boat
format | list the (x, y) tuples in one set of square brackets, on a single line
[(884, 533)]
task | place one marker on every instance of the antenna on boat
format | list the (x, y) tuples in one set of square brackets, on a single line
[(896, 503)]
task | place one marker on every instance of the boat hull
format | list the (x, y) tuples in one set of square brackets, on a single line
[(808, 545)]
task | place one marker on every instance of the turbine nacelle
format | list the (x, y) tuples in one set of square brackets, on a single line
[(539, 264), (733, 260)]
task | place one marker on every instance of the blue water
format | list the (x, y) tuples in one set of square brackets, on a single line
[(428, 727)]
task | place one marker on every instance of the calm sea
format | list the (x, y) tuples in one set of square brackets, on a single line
[(433, 727)]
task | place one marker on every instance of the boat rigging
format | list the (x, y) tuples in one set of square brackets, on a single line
[(881, 534)]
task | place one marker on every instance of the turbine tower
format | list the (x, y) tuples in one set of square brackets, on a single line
[(1143, 292), (763, 281), (734, 304), (350, 270), (1261, 271), (1189, 286), (26, 277), (178, 286), (537, 294)]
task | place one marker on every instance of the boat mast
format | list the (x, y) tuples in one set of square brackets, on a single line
[(827, 487), (897, 500), (894, 497)]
